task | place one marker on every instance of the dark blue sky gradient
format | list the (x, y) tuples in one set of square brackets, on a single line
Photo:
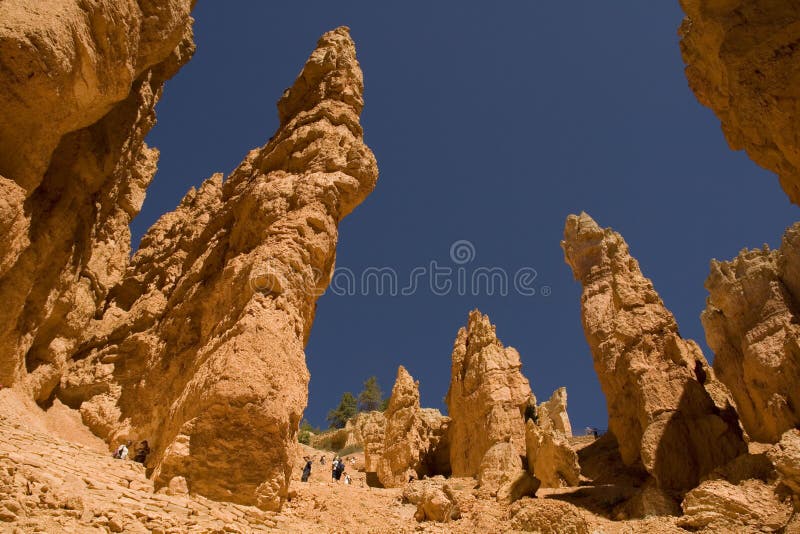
[(490, 124)]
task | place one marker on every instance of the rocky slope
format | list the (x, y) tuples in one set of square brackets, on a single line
[(742, 61), (665, 407)]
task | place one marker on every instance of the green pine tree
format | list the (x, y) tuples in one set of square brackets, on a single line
[(347, 408), (371, 398)]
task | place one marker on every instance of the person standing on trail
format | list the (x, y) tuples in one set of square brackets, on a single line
[(122, 451), (334, 467), (338, 470), (306, 469)]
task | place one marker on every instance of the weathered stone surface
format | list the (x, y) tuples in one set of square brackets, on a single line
[(550, 457), (369, 429), (200, 348), (500, 465), (412, 437), (488, 396), (720, 505), (751, 323), (742, 61), (547, 516), (553, 413), (77, 95), (514, 488), (666, 408), (435, 501), (785, 456)]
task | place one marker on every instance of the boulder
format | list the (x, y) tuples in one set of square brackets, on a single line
[(435, 500), (719, 506), (488, 396), (547, 516), (665, 406), (751, 323)]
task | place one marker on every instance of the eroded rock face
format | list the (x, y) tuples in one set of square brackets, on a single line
[(666, 408), (488, 396), (77, 95), (412, 437), (369, 429), (751, 324), (719, 506), (785, 456), (550, 457), (553, 413), (200, 347), (742, 61)]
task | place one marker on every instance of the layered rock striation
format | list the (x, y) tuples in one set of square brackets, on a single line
[(742, 61), (751, 323), (666, 408)]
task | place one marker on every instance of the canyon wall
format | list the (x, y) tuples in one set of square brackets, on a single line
[(665, 406), (78, 85), (742, 62)]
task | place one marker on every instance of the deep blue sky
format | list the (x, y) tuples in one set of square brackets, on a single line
[(490, 124)]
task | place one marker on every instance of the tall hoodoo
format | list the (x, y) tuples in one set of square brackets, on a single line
[(741, 61), (665, 407), (751, 322), (199, 347), (412, 436), (488, 396)]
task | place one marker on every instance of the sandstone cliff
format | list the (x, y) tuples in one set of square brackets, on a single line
[(488, 396), (665, 407), (741, 61), (77, 95), (414, 439), (751, 322)]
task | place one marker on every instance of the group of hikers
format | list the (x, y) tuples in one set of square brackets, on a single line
[(337, 468), (139, 455)]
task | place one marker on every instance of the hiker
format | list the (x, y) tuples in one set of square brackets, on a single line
[(306, 469), (142, 452), (339, 469), (352, 460), (322, 460), (334, 468), (347, 479), (122, 451)]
